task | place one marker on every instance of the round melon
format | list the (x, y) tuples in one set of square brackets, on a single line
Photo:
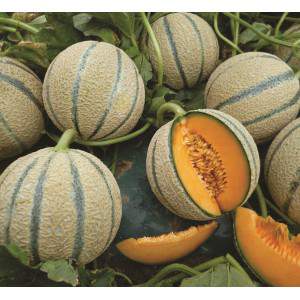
[(286, 53), (21, 110), (258, 89), (202, 164), (268, 248), (59, 205), (94, 88), (189, 48), (282, 170)]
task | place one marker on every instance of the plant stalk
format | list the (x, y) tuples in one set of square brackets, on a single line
[(279, 23), (168, 107), (18, 24), (65, 141), (160, 65), (261, 201), (236, 264)]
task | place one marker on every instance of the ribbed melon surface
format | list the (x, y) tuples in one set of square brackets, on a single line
[(21, 109), (189, 48), (282, 170), (94, 88), (59, 205), (258, 89)]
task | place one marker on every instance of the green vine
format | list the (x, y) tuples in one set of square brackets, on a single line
[(261, 201), (168, 107), (66, 139), (279, 23), (18, 24)]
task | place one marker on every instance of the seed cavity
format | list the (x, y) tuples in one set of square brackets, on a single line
[(206, 161)]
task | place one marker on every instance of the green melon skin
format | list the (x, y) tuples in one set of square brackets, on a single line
[(286, 53), (21, 110), (258, 89), (282, 170), (59, 205), (162, 173), (189, 48), (94, 88)]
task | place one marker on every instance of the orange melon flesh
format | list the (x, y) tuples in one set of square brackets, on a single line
[(267, 248), (231, 153), (167, 247)]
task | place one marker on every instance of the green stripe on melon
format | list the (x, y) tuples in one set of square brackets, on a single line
[(282, 170), (258, 89), (165, 180), (189, 49), (21, 110), (94, 88), (59, 205)]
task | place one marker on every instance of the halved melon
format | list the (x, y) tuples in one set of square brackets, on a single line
[(267, 248), (203, 164), (167, 247)]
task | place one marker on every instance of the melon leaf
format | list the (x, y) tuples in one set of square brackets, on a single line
[(19, 254), (222, 275), (107, 277), (60, 271)]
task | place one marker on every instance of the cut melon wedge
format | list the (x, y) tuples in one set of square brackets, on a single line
[(267, 248), (167, 247)]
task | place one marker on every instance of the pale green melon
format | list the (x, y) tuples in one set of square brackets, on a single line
[(21, 109), (286, 53), (59, 205), (94, 88), (282, 170), (189, 49), (165, 179), (258, 89)]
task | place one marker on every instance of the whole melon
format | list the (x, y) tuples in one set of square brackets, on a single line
[(202, 164), (286, 53), (282, 170), (95, 88), (59, 205), (21, 109), (189, 48), (258, 89)]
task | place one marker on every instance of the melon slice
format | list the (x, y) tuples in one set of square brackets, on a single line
[(267, 248), (167, 247)]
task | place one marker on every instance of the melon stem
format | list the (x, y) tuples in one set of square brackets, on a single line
[(168, 107), (236, 264), (261, 201), (160, 65), (65, 141), (18, 24)]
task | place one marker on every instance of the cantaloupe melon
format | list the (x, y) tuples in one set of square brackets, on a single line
[(21, 110), (267, 248), (94, 88), (282, 170), (59, 204), (286, 53), (258, 89), (189, 49), (202, 164)]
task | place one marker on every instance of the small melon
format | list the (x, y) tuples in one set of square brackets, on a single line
[(21, 110), (286, 53), (258, 89), (94, 88), (267, 248), (59, 205), (189, 48), (202, 164), (282, 170)]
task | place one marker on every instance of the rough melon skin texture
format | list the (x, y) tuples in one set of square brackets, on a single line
[(267, 248), (21, 110), (189, 48), (59, 205), (286, 53), (174, 175), (258, 89), (94, 88), (282, 170)]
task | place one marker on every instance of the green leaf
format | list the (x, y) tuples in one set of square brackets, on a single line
[(124, 22), (248, 35), (223, 275), (19, 254), (144, 67), (107, 277), (60, 271)]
